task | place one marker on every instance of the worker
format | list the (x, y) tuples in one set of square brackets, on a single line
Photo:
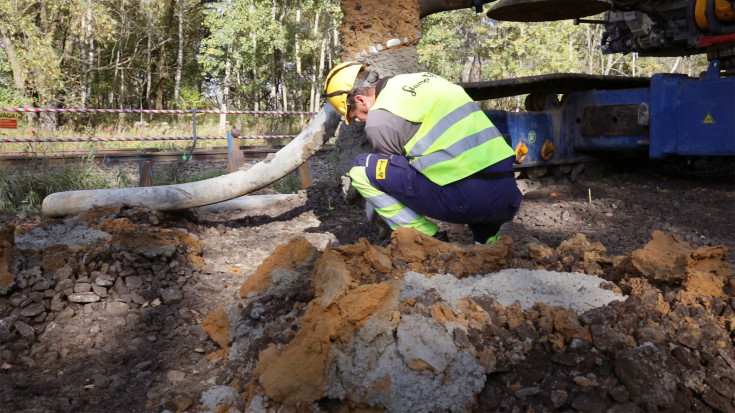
[(437, 154)]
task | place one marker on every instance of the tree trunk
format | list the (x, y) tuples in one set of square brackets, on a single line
[(149, 59), (15, 66), (163, 55), (225, 90), (180, 56)]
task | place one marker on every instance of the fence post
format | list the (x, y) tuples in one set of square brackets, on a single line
[(145, 171), (194, 131), (305, 174), (237, 159)]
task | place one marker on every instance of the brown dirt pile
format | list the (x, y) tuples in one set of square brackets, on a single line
[(372, 22), (364, 336), (7, 253)]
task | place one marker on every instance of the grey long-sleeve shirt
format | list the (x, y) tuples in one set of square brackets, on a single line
[(389, 133)]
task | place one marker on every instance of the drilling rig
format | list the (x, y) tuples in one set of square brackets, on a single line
[(667, 116)]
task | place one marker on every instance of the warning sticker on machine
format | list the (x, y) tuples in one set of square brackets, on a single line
[(708, 119)]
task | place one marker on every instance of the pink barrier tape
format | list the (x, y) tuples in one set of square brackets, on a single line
[(154, 138), (231, 112)]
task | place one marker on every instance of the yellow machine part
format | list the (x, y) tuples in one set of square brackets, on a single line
[(723, 12)]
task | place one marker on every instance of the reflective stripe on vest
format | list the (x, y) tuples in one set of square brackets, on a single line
[(455, 139)]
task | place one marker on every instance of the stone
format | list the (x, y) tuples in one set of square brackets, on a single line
[(175, 375), (65, 314), (171, 296), (84, 298), (63, 285), (120, 287), (133, 282), (104, 280), (116, 308), (42, 285), (24, 329), (82, 287), (32, 310), (643, 371), (17, 299), (64, 273), (101, 291)]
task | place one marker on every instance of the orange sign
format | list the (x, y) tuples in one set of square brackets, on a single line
[(8, 120)]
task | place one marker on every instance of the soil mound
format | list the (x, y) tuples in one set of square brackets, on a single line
[(390, 329)]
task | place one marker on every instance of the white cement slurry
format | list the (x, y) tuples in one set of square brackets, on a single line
[(580, 292)]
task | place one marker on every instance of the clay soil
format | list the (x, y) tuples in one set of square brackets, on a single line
[(116, 320)]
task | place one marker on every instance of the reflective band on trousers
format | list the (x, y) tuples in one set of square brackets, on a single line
[(404, 217), (455, 150), (445, 123)]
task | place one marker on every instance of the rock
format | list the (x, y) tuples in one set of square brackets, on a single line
[(175, 375), (419, 352), (82, 287), (218, 398), (120, 287), (63, 273), (116, 308), (64, 314), (24, 329), (105, 280), (133, 282), (32, 310), (17, 299), (643, 371), (171, 296), (101, 291), (42, 285), (84, 298)]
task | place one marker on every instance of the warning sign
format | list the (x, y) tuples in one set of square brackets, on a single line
[(8, 120), (708, 119)]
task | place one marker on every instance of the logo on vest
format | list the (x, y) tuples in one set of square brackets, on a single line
[(412, 89)]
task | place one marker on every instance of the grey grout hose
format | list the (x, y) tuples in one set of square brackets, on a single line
[(208, 191)]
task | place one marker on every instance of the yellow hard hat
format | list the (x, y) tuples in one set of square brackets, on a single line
[(338, 85)]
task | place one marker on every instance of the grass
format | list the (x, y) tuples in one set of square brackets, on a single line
[(24, 188)]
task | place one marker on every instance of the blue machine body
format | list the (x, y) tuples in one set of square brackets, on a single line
[(676, 116)]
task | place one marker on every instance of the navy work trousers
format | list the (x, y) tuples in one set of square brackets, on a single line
[(484, 204)]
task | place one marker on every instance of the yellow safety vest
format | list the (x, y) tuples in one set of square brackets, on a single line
[(455, 139)]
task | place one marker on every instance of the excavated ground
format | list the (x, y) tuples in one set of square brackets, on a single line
[(133, 310)]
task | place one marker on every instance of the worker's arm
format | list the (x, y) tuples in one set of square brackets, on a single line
[(389, 133)]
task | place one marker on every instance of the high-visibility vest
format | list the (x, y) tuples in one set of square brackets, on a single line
[(455, 139)]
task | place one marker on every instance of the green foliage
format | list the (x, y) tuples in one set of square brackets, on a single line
[(191, 98), (251, 54), (23, 189), (465, 46), (289, 184), (175, 176)]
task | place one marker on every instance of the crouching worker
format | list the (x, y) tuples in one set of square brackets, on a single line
[(437, 153)]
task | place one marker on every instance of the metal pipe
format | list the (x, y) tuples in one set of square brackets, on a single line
[(209, 191)]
